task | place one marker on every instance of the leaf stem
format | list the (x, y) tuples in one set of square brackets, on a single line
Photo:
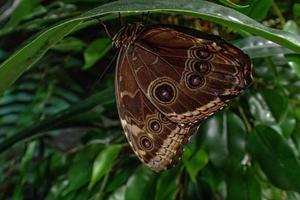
[(245, 119), (278, 13)]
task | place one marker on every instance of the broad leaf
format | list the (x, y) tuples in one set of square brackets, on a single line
[(275, 157)]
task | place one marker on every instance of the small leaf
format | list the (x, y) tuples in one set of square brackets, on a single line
[(95, 51), (140, 185), (257, 9), (296, 10), (294, 62), (242, 184), (120, 177), (70, 44), (24, 8), (103, 163), (277, 103), (194, 163), (292, 27), (271, 108), (167, 184), (224, 139), (78, 175), (275, 157), (119, 194)]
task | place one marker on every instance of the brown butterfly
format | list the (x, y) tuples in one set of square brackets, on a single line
[(168, 80)]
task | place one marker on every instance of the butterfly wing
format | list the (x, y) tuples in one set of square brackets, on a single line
[(168, 80), (186, 74), (157, 141)]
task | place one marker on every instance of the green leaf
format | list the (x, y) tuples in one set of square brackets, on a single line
[(167, 184), (296, 10), (194, 163), (120, 177), (119, 194), (95, 51), (224, 139), (292, 27), (78, 175), (24, 8), (103, 97), (17, 64), (257, 9), (294, 62), (258, 47), (275, 157), (206, 10), (23, 59), (277, 103), (80, 168), (27, 157), (271, 108), (70, 44), (140, 185), (242, 184), (103, 163), (233, 5)]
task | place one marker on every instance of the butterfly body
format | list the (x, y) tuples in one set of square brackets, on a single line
[(168, 80)]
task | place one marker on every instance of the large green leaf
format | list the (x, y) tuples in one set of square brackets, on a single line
[(23, 59), (206, 10), (103, 163), (275, 157), (12, 68)]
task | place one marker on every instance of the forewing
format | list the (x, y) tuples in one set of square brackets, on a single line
[(187, 75)]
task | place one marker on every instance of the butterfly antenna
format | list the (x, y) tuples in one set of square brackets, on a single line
[(120, 20), (104, 25), (106, 29), (104, 72), (147, 18), (142, 17)]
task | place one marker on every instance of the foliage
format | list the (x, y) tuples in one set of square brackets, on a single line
[(60, 136)]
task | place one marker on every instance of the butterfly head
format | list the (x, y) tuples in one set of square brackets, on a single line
[(126, 35)]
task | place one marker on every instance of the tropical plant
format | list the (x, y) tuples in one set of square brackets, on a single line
[(60, 135)]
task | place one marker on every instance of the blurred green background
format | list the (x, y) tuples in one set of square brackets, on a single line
[(60, 135)]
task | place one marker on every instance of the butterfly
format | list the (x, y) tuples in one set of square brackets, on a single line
[(168, 80)]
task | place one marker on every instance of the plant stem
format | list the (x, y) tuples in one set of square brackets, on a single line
[(278, 13), (244, 118)]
